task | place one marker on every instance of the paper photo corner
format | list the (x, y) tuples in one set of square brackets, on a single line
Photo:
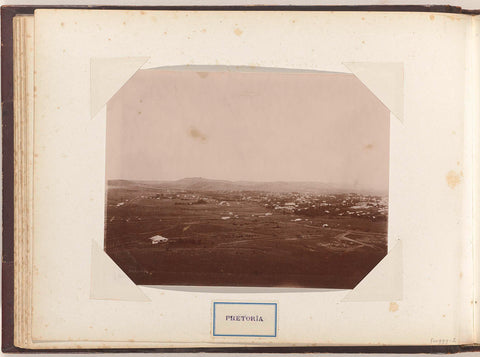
[(384, 282), (109, 282), (107, 76), (384, 80)]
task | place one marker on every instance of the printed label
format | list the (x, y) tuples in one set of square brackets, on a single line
[(249, 319)]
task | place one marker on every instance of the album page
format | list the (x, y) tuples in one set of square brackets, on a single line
[(252, 178)]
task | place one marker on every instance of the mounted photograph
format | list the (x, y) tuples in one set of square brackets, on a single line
[(229, 176)]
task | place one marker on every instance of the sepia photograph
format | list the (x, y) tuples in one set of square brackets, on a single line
[(266, 178)]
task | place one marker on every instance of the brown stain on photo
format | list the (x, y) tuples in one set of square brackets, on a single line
[(197, 134), (432, 17), (202, 74), (237, 31), (453, 178), (393, 307), (368, 147)]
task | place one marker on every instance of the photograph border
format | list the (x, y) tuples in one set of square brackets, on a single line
[(141, 63)]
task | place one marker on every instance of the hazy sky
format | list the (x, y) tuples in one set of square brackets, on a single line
[(325, 127)]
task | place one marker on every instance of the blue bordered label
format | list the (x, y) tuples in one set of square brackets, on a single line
[(245, 319)]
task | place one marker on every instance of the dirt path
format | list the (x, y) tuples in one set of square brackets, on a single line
[(343, 236)]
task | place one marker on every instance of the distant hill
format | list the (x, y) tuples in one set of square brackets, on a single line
[(204, 184)]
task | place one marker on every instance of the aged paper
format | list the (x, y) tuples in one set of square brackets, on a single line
[(429, 171)]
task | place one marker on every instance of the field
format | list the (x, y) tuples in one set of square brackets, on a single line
[(194, 235)]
